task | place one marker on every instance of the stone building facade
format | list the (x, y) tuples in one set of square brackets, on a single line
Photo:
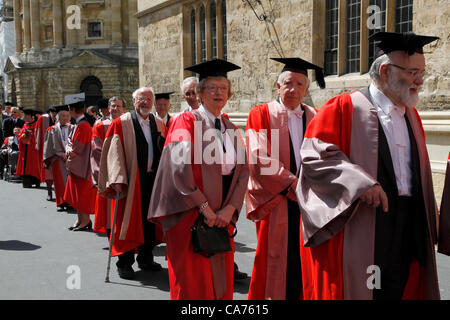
[(71, 46), (330, 33)]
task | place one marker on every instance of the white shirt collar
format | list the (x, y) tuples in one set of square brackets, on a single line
[(298, 110), (209, 114), (382, 101), (142, 120), (77, 120)]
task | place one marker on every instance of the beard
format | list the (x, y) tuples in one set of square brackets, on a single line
[(145, 111), (403, 91)]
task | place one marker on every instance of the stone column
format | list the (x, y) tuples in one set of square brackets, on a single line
[(17, 26), (35, 26), (132, 22), (57, 24), (26, 25), (116, 22)]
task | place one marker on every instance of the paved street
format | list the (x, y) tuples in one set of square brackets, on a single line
[(40, 258)]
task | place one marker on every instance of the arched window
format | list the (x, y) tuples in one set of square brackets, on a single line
[(92, 88)]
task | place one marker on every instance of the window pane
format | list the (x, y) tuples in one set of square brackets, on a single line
[(404, 16), (193, 42), (213, 30), (381, 4), (331, 45), (94, 29), (203, 34), (224, 28), (353, 36)]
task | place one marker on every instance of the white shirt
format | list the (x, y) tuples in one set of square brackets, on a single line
[(229, 158), (295, 123), (145, 125), (64, 133), (394, 125)]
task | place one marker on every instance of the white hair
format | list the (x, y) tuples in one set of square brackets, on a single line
[(188, 80), (140, 89), (283, 74), (374, 71)]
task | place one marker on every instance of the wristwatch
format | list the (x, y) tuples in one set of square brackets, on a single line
[(203, 206)]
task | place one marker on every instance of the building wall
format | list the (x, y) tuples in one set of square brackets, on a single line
[(39, 70)]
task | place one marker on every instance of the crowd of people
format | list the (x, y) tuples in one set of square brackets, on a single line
[(331, 192)]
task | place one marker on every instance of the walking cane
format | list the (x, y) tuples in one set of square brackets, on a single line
[(111, 239)]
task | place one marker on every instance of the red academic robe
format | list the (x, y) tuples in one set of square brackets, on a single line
[(179, 190), (29, 160), (102, 204), (119, 164), (80, 193), (338, 249), (42, 124), (264, 203)]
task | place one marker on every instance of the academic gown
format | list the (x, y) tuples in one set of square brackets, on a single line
[(341, 160), (270, 204), (119, 164), (80, 193), (42, 124), (182, 184), (53, 147), (102, 204), (29, 159), (444, 217)]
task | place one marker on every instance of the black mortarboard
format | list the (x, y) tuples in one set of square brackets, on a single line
[(213, 68), (63, 107), (29, 111), (302, 66), (408, 42), (52, 109), (163, 95), (102, 103), (7, 103)]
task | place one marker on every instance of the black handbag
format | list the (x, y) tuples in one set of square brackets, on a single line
[(208, 241)]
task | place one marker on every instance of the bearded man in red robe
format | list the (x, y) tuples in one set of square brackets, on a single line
[(365, 188)]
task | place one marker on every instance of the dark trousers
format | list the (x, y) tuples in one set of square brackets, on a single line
[(145, 251), (399, 240), (294, 268)]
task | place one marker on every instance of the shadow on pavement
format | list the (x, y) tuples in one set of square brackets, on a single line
[(16, 245), (242, 247)]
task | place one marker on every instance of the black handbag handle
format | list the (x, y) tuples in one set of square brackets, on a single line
[(235, 229)]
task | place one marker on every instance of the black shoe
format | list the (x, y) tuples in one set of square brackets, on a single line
[(152, 266), (60, 208), (49, 197), (239, 275), (87, 227), (126, 272)]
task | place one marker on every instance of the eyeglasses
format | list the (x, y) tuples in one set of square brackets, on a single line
[(412, 72), (214, 88), (141, 99)]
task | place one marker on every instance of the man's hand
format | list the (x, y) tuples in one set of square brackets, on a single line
[(224, 216), (376, 196)]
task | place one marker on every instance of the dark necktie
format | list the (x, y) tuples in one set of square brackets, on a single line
[(219, 128)]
